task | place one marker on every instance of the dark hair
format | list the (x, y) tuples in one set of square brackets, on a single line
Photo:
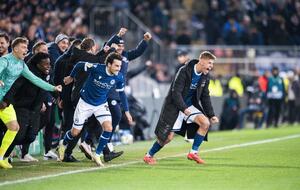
[(87, 44), (76, 42), (37, 45), (36, 58), (5, 36), (18, 40), (112, 56), (275, 68)]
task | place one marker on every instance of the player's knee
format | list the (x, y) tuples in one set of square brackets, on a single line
[(75, 132), (203, 123), (107, 126), (16, 127), (108, 129), (170, 138), (205, 126), (13, 126)]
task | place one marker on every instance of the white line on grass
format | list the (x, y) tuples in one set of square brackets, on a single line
[(139, 161)]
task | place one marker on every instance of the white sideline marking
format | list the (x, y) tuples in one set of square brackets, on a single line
[(140, 161)]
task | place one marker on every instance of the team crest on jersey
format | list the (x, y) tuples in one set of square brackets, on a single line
[(89, 65), (112, 82), (99, 77), (125, 59)]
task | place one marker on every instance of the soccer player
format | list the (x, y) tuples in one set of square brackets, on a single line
[(93, 100), (11, 67), (27, 100), (189, 87), (113, 97)]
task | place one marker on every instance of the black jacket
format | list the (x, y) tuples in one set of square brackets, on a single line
[(54, 53), (24, 94), (174, 102)]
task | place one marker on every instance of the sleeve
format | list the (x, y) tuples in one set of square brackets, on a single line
[(86, 66), (206, 102), (36, 80), (113, 39), (138, 51), (177, 89), (3, 64), (120, 86)]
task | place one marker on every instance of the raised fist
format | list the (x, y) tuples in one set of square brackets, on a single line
[(147, 36)]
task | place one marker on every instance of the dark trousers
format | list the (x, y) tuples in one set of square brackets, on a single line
[(48, 121), (29, 123), (274, 106), (292, 111), (67, 120)]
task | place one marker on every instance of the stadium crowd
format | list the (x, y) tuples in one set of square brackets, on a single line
[(245, 22), (181, 22)]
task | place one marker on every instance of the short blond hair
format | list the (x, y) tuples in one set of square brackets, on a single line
[(19, 40), (207, 55)]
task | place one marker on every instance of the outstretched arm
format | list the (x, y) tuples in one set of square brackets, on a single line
[(39, 82), (141, 47), (115, 38), (125, 106), (120, 88), (86, 66)]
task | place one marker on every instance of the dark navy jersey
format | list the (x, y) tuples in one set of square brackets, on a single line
[(98, 83), (193, 87), (126, 57)]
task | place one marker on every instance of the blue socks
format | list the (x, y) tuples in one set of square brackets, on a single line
[(197, 142), (103, 141), (67, 138), (155, 148)]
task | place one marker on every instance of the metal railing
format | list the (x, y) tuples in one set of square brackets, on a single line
[(247, 60)]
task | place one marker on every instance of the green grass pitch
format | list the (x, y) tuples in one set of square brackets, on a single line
[(259, 159)]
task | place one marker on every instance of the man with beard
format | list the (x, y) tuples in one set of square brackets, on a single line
[(4, 43)]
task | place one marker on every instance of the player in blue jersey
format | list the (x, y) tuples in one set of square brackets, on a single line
[(113, 96), (93, 100), (187, 91)]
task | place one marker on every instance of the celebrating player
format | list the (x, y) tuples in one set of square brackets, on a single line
[(189, 87), (93, 100)]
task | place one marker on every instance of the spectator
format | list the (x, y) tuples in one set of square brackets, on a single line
[(275, 97), (39, 46), (230, 116), (235, 83)]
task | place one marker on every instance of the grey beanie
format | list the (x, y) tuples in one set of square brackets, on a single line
[(61, 37)]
